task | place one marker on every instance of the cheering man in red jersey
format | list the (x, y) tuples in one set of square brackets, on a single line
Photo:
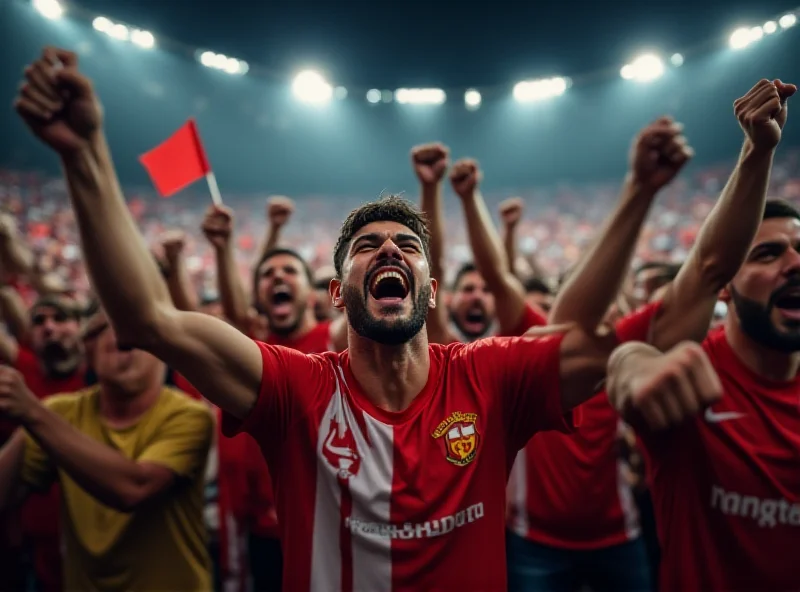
[(391, 457), (725, 484)]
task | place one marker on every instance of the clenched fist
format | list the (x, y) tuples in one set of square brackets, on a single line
[(511, 211), (762, 112), (218, 226), (173, 243), (659, 152), (279, 210), (430, 162), (58, 103), (465, 177), (16, 399), (670, 388)]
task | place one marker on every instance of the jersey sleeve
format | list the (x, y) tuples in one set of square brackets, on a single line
[(183, 441), (38, 470), (523, 373), (637, 326), (290, 383), (530, 318)]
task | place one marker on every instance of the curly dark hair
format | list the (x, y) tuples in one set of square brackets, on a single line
[(386, 209)]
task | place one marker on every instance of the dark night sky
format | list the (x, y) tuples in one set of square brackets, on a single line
[(414, 43)]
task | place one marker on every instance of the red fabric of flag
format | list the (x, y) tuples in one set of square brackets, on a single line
[(178, 161)]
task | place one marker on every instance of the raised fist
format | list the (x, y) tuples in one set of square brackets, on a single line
[(659, 152), (279, 209), (58, 103), (762, 112), (674, 387), (16, 399), (173, 242), (430, 162), (465, 177), (218, 226), (511, 211)]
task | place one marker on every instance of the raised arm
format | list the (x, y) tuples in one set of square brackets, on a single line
[(18, 323), (487, 248), (222, 363), (430, 163), (179, 284), (726, 235), (658, 154), (218, 229), (511, 211), (279, 212)]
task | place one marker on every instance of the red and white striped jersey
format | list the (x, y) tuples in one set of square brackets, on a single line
[(415, 500), (570, 492)]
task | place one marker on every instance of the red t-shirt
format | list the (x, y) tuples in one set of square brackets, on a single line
[(374, 500), (726, 485), (570, 491), (41, 511)]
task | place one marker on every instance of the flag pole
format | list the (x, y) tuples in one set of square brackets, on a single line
[(214, 189)]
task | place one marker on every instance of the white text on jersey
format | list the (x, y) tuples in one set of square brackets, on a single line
[(431, 528), (767, 512)]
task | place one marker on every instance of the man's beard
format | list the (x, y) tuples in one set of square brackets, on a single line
[(286, 330), (59, 361), (756, 322), (386, 332), (471, 335)]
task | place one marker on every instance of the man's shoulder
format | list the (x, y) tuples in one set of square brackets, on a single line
[(64, 403)]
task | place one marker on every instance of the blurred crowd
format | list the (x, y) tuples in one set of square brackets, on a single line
[(559, 221)]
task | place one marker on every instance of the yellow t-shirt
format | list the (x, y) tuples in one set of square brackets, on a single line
[(161, 546)]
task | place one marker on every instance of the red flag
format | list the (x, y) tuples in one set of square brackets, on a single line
[(178, 161)]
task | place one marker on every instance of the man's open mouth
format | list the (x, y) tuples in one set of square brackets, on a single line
[(388, 284), (281, 300), (788, 303)]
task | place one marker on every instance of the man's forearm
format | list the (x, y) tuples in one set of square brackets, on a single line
[(15, 256), (729, 230), (510, 245), (231, 291), (487, 248), (123, 272), (179, 284), (101, 471), (11, 458), (625, 365), (271, 241), (432, 207), (594, 284)]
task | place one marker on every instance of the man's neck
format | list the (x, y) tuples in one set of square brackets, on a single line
[(390, 376), (769, 363), (121, 409)]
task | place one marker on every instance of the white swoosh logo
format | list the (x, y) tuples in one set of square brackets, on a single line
[(712, 417)]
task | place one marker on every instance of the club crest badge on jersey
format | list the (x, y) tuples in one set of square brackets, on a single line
[(461, 437), (340, 450)]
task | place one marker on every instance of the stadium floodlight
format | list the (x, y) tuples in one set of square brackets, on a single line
[(676, 60), (143, 39), (539, 90), (420, 96), (644, 68), (102, 24), (119, 32), (472, 99), (374, 96), (218, 61), (770, 27), (744, 36), (311, 87), (50, 9), (787, 20)]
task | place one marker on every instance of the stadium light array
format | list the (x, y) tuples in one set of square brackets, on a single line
[(539, 90), (120, 32), (472, 99), (50, 9), (746, 36), (311, 87), (218, 61), (644, 68), (420, 96), (374, 96)]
